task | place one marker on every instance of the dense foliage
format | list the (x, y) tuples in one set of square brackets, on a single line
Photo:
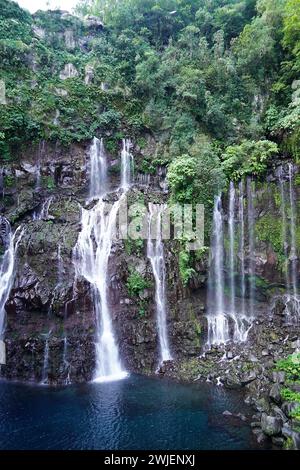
[(215, 82)]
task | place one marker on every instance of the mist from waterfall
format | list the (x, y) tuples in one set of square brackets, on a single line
[(11, 242), (155, 253), (91, 259)]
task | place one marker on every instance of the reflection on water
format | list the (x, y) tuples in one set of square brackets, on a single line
[(135, 413)]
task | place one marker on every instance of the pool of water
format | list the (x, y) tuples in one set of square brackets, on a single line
[(134, 413)]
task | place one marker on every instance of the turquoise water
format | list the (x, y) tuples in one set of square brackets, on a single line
[(135, 413)]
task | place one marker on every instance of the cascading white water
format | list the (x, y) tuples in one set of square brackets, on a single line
[(284, 227), (60, 265), (92, 253), (225, 320), (44, 380), (91, 257), (242, 244), (126, 164), (250, 216), (66, 363), (291, 297), (155, 253), (43, 213), (231, 246), (7, 267), (98, 169), (218, 327), (293, 253)]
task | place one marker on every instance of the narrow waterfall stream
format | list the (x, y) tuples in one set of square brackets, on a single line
[(91, 257), (288, 224), (250, 220), (218, 328), (44, 380), (155, 253), (11, 242), (98, 169), (126, 164), (293, 253), (231, 228)]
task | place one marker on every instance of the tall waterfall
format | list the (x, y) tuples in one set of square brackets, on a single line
[(7, 266), (155, 253), (91, 258), (231, 228), (242, 244), (227, 316), (126, 164), (293, 254), (284, 229), (98, 169), (250, 216), (218, 328), (288, 214)]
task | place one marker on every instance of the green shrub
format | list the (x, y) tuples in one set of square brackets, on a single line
[(291, 366), (248, 158), (136, 283), (289, 395)]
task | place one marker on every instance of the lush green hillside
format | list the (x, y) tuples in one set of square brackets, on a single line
[(211, 79)]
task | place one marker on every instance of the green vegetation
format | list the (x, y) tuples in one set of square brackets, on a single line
[(289, 395), (185, 269), (213, 81), (291, 366), (136, 283), (248, 158)]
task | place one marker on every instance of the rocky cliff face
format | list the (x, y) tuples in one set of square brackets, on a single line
[(49, 306)]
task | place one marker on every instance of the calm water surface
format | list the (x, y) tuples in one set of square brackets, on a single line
[(135, 413)]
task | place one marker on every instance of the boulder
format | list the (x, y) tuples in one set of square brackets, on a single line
[(293, 435), (69, 71), (270, 425), (275, 393), (248, 377), (93, 22)]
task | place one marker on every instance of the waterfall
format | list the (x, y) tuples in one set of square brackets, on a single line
[(293, 253), (291, 298), (126, 164), (231, 228), (98, 169), (242, 244), (60, 265), (155, 253), (91, 258), (92, 253), (66, 363), (7, 266), (43, 213), (218, 327), (41, 153), (44, 380), (284, 227), (226, 319), (143, 179), (250, 217)]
